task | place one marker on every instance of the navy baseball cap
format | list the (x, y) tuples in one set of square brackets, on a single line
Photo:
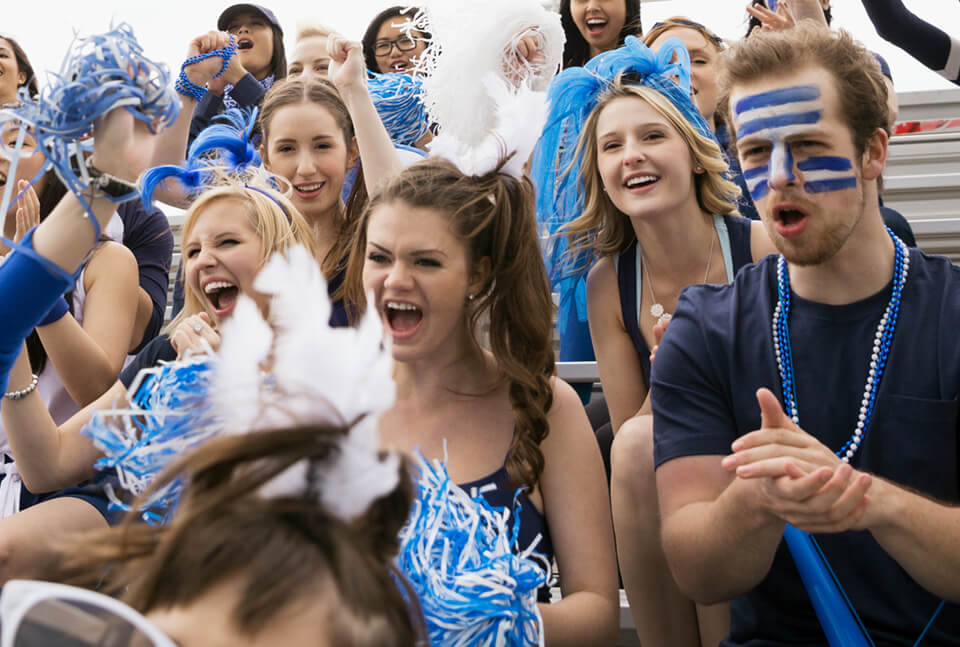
[(884, 66), (230, 12)]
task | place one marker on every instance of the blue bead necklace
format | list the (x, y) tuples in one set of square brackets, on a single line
[(878, 358)]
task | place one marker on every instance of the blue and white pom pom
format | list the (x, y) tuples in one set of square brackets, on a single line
[(98, 74), (456, 552), (398, 99), (170, 415)]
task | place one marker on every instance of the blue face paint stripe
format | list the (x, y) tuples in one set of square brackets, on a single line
[(751, 173), (830, 185), (778, 97), (779, 121), (760, 191), (825, 164)]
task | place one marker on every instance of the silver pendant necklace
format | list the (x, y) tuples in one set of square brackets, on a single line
[(657, 310)]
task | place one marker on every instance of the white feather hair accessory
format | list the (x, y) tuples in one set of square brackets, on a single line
[(317, 374), (489, 101), (294, 370)]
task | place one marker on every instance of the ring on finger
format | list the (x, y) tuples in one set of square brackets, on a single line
[(198, 328)]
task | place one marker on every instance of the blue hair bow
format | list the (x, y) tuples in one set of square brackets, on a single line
[(573, 95), (224, 145)]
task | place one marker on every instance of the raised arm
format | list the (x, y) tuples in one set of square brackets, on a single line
[(576, 505), (925, 42), (347, 72), (172, 143)]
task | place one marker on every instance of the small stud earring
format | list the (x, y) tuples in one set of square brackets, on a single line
[(698, 170), (471, 297)]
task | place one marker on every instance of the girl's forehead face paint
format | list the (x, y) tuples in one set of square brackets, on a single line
[(774, 117)]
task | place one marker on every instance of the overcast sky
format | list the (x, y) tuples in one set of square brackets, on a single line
[(45, 27)]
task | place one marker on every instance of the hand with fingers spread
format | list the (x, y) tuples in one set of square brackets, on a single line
[(347, 68), (778, 20), (196, 334), (28, 210), (800, 480)]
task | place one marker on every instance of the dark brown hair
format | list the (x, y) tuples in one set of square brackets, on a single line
[(576, 49), (858, 79), (23, 65), (298, 90), (287, 549), (370, 35), (494, 215)]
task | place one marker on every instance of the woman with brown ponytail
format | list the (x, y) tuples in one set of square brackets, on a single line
[(441, 253), (238, 564)]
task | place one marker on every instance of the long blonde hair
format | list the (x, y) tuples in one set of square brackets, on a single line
[(602, 229), (278, 229)]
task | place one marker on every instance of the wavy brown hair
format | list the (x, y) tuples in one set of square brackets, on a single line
[(494, 216), (602, 229), (286, 550), (299, 90)]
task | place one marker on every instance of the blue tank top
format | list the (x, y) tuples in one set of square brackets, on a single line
[(734, 235), (498, 492)]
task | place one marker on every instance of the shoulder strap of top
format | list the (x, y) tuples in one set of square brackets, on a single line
[(724, 235)]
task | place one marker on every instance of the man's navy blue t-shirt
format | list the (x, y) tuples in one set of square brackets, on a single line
[(718, 351)]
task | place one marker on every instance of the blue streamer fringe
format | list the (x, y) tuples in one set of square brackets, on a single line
[(458, 555), (399, 102), (169, 415), (223, 146), (99, 73)]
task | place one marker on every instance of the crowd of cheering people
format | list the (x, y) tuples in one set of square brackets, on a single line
[(708, 215)]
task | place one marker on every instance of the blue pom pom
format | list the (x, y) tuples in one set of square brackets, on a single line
[(399, 102), (99, 73), (457, 553), (169, 415)]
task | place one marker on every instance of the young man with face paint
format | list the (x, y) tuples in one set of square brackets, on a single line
[(855, 334)]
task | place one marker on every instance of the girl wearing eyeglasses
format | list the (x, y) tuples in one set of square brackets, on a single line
[(387, 47)]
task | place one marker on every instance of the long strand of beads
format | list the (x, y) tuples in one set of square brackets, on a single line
[(882, 342)]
